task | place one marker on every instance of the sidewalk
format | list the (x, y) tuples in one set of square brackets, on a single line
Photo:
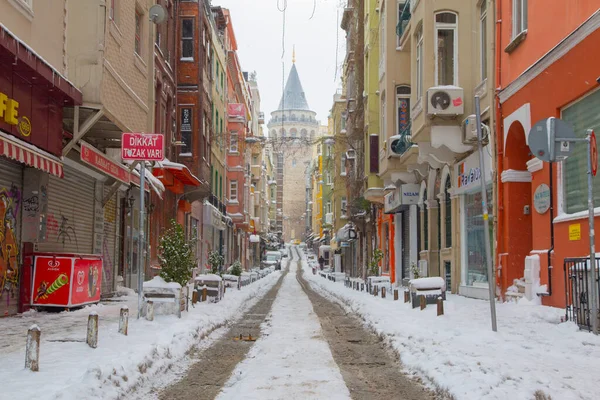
[(459, 352), (72, 370)]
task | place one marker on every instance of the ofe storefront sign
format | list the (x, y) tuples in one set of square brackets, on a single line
[(468, 172)]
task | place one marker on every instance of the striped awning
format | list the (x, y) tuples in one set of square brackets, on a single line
[(30, 155)]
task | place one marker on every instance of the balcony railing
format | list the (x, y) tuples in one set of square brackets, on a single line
[(212, 199), (404, 19), (402, 142)]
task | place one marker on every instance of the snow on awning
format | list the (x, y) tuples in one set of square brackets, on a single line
[(153, 181), (180, 171), (29, 154)]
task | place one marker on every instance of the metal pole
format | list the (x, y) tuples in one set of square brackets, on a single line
[(594, 285), (141, 240), (486, 222)]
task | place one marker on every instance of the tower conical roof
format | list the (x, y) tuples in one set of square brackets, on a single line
[(293, 97)]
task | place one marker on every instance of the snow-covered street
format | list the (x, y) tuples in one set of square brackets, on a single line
[(292, 359), (458, 352)]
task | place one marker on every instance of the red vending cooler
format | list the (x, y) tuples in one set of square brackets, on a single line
[(65, 280)]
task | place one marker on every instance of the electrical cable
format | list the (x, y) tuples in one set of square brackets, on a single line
[(314, 9)]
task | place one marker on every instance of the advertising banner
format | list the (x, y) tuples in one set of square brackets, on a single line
[(87, 281), (51, 281)]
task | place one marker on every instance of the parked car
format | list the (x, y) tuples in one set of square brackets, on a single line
[(272, 258)]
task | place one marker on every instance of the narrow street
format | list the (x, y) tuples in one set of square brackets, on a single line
[(307, 348)]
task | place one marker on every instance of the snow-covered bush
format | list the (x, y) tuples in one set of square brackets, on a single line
[(215, 260), (374, 263), (176, 256), (236, 268)]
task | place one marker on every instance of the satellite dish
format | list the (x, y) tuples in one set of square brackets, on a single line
[(158, 15)]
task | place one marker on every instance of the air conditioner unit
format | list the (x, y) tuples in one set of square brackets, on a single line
[(445, 100), (469, 129)]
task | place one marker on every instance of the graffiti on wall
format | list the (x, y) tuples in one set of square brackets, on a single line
[(10, 200)]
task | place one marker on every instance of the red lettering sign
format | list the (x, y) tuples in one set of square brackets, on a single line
[(142, 147), (93, 157)]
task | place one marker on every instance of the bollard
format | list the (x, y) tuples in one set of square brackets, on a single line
[(32, 348), (406, 296), (395, 294), (362, 287), (124, 320), (194, 297), (423, 302), (383, 292), (440, 306), (204, 292), (150, 310), (224, 289), (92, 330)]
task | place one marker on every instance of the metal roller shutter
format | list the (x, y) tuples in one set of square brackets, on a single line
[(70, 218), (11, 192), (406, 245), (109, 245)]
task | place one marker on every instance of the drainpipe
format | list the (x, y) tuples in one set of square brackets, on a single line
[(499, 208)]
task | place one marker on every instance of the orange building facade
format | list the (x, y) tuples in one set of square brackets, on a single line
[(543, 69)]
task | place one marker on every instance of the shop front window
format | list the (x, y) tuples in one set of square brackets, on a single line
[(475, 238)]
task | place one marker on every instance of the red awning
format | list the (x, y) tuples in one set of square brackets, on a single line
[(181, 172), (29, 154)]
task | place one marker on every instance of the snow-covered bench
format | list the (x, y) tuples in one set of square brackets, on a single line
[(213, 284), (231, 280), (378, 281), (165, 296), (431, 288)]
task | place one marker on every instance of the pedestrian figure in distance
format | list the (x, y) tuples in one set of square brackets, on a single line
[(321, 262)]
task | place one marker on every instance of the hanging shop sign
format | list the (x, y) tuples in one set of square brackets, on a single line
[(142, 146), (404, 195), (100, 161), (541, 198)]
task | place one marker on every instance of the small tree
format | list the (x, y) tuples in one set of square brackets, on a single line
[(215, 260), (176, 256), (415, 270), (236, 268), (374, 263)]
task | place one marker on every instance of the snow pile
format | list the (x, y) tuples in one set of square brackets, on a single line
[(434, 282), (208, 277), (159, 283), (69, 368), (459, 352)]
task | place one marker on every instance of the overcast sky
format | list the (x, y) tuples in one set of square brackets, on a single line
[(258, 30)]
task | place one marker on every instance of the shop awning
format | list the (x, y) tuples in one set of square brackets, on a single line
[(181, 172), (29, 154)]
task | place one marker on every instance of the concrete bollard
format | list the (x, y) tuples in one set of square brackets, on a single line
[(383, 292), (362, 287), (32, 348), (150, 310), (406, 296), (440, 306), (395, 294), (204, 294), (92, 330), (423, 302), (124, 320)]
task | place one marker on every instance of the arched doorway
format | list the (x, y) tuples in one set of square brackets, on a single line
[(517, 202)]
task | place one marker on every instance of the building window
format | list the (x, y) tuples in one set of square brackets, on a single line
[(344, 205), (475, 237), (233, 143), (233, 191), (448, 212), (187, 39), (519, 19), (294, 162), (382, 43), (293, 133), (403, 110), (419, 69), (328, 209), (582, 115), (383, 119), (343, 120), (483, 39), (343, 165), (425, 222), (447, 45), (319, 149), (138, 32), (186, 130)]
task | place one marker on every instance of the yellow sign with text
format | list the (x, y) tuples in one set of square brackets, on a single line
[(9, 112), (575, 232), (9, 109)]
